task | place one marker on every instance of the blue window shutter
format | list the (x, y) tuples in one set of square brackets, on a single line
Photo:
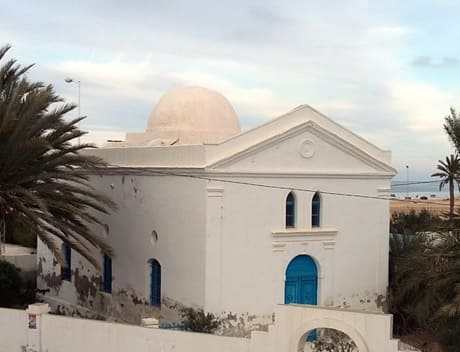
[(107, 274), (155, 283), (315, 210), (290, 210)]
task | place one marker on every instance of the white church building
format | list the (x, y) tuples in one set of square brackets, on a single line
[(233, 222)]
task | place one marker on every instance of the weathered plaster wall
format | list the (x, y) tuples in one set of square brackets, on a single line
[(174, 209)]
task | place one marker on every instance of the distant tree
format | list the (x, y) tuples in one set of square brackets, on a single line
[(452, 128), (449, 172), (43, 176)]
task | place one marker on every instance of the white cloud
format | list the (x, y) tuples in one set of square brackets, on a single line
[(421, 105)]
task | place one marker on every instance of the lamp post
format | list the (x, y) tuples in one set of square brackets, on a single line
[(407, 181), (77, 82)]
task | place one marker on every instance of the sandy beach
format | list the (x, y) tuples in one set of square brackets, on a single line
[(435, 206)]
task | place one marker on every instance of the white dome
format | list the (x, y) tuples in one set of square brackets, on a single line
[(193, 115)]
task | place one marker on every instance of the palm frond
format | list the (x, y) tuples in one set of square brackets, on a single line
[(43, 174)]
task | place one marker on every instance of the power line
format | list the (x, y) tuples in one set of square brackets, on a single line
[(414, 183), (245, 183)]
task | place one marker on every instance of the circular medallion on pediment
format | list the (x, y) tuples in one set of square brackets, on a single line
[(307, 149)]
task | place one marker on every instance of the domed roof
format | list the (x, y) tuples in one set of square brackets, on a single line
[(193, 115)]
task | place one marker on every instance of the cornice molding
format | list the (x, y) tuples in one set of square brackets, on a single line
[(224, 174), (284, 237)]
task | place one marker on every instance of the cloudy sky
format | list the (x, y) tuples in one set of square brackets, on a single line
[(388, 70)]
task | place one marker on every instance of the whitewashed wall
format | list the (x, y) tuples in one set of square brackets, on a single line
[(350, 247), (224, 246), (370, 332), (13, 330), (61, 334)]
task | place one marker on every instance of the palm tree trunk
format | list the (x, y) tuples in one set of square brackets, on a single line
[(452, 198)]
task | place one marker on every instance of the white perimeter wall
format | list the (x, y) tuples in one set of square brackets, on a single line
[(13, 330), (371, 333), (75, 335)]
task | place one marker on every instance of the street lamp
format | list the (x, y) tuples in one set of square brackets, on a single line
[(407, 181), (77, 82)]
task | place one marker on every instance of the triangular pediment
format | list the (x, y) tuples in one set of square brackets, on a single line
[(306, 147)]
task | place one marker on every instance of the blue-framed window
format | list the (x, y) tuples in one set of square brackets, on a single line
[(155, 283), (290, 210), (107, 274), (66, 272), (316, 210)]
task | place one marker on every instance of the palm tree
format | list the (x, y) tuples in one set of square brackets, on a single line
[(452, 128), (43, 177), (449, 172)]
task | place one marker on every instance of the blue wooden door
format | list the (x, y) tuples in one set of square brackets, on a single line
[(301, 285), (155, 283)]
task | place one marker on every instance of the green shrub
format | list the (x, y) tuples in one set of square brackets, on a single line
[(10, 283), (198, 321)]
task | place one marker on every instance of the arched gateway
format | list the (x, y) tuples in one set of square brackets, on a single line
[(301, 285)]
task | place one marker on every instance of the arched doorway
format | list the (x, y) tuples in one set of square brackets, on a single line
[(155, 283), (327, 339), (301, 285)]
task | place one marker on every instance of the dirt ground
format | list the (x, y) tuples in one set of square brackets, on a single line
[(433, 205)]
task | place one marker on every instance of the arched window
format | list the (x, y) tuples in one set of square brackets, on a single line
[(315, 210), (155, 283), (290, 210)]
